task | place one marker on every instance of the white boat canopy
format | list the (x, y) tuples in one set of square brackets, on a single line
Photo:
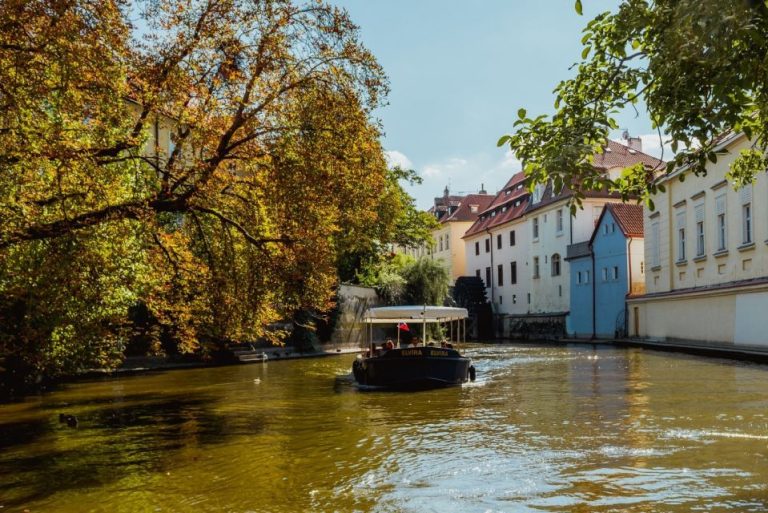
[(428, 314)]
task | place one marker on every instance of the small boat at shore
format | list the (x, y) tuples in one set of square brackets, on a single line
[(418, 364)]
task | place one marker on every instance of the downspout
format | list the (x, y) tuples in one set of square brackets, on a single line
[(629, 286), (594, 294), (671, 232)]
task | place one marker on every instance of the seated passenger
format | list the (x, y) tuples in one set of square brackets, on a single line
[(389, 345)]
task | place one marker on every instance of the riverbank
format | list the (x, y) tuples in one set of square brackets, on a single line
[(134, 365), (751, 353)]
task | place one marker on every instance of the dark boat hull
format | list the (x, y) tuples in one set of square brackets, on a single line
[(413, 368)]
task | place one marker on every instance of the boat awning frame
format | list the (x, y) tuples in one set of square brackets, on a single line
[(406, 314)]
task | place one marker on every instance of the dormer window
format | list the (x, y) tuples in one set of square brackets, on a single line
[(473, 208)]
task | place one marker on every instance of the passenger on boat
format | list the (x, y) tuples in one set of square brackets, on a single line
[(389, 345), (415, 341)]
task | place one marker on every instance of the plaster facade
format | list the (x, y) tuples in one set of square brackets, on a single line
[(707, 258)]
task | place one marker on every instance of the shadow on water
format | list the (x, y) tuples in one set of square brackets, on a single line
[(110, 442)]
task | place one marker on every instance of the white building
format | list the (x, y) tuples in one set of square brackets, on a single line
[(543, 229), (707, 257), (497, 248)]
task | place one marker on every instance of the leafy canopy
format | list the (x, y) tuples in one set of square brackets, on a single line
[(698, 66), (205, 163)]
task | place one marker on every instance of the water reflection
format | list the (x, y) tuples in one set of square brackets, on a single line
[(544, 428)]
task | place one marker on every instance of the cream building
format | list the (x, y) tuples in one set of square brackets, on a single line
[(455, 215), (707, 276)]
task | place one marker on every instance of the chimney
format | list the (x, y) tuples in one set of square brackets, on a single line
[(445, 192), (482, 189), (633, 143)]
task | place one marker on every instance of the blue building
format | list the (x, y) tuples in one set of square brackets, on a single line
[(604, 271)]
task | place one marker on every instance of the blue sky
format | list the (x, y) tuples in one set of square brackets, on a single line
[(459, 70)]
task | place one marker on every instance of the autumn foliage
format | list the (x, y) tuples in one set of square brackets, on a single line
[(205, 163)]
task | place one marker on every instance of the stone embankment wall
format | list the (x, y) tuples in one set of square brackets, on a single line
[(531, 327), (353, 302)]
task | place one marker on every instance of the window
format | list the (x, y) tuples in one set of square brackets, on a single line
[(559, 221), (746, 223), (698, 212), (655, 244), (586, 277), (578, 278), (513, 273), (642, 267), (560, 290), (514, 299), (680, 219), (535, 228), (746, 214), (535, 267), (473, 208), (498, 241), (477, 272), (441, 243), (720, 212), (477, 248), (605, 274), (500, 274), (487, 245), (529, 298), (555, 265), (487, 277), (512, 238), (446, 240), (615, 274)]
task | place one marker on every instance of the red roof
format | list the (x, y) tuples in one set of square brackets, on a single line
[(629, 218), (618, 155), (465, 212), (510, 203), (615, 155)]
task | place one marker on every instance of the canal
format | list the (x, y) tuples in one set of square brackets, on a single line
[(544, 428)]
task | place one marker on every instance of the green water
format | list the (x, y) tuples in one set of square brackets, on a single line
[(571, 429)]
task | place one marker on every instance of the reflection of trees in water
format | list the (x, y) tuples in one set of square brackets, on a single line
[(134, 440)]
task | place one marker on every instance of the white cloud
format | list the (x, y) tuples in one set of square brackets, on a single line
[(465, 174), (510, 161), (396, 158)]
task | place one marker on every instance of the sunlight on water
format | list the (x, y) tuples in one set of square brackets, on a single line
[(544, 428)]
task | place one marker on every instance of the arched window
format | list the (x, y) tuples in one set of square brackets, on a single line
[(555, 265)]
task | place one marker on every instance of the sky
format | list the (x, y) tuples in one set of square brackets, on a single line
[(459, 70)]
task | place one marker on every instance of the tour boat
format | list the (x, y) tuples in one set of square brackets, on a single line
[(396, 365)]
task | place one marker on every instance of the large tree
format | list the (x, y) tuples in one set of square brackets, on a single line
[(699, 67), (273, 170)]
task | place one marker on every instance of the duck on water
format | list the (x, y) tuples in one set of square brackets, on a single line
[(419, 364)]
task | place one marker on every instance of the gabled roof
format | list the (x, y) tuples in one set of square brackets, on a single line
[(509, 203), (619, 155), (464, 211), (629, 217)]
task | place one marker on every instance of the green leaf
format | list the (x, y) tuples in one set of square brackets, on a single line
[(503, 140), (661, 188), (521, 113), (585, 52), (712, 157), (578, 7)]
